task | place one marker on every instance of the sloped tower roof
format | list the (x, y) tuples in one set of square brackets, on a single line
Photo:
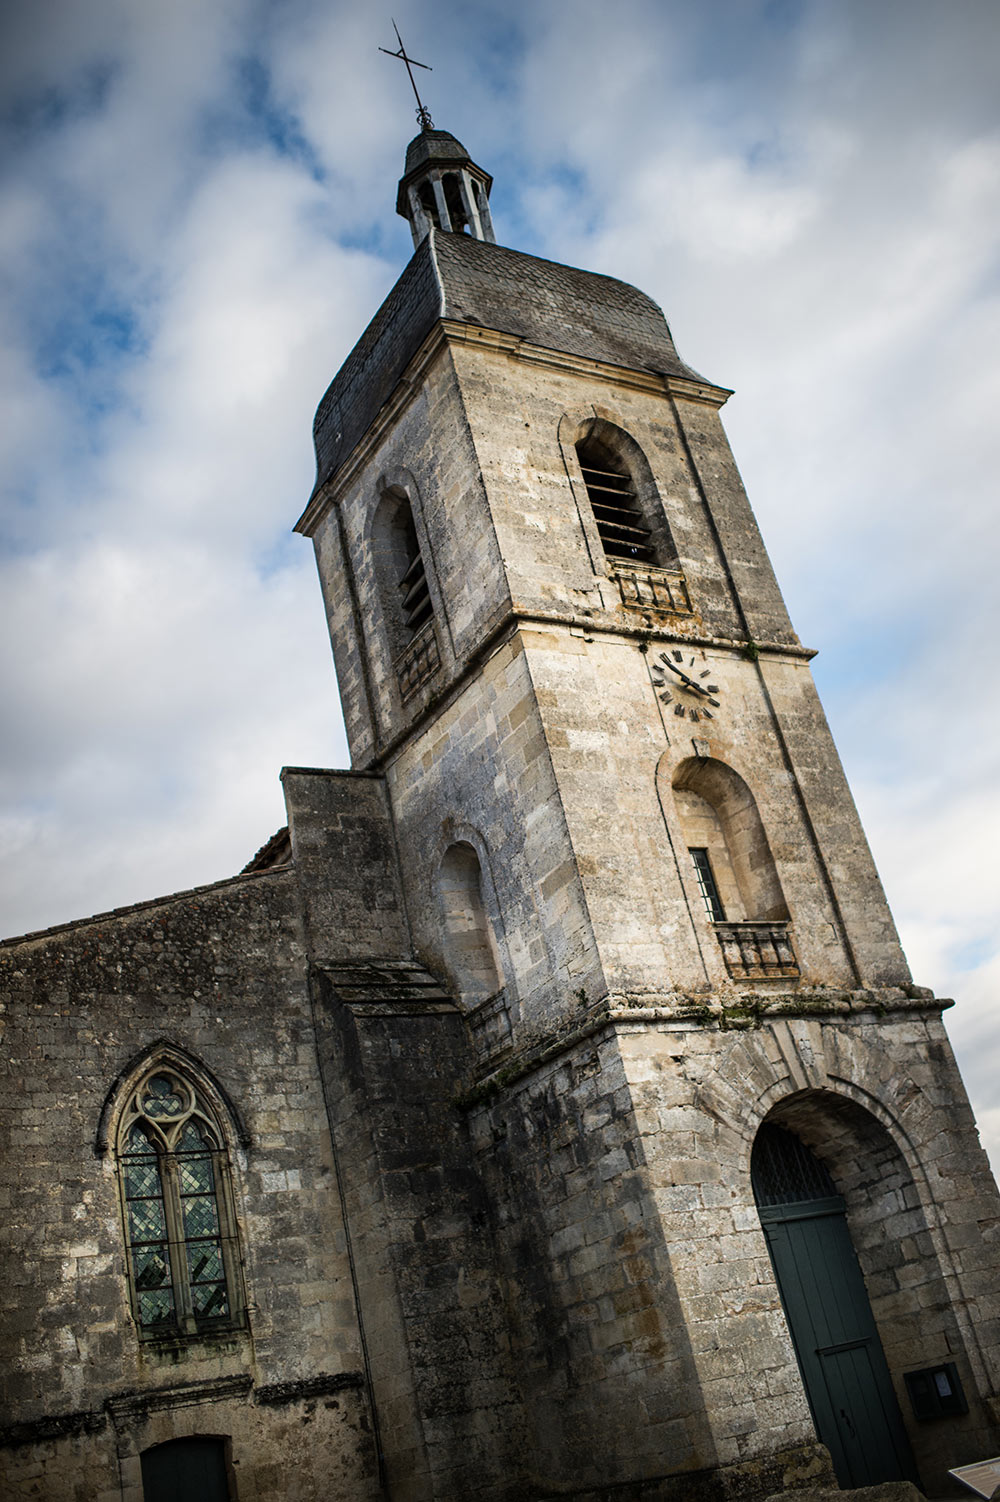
[(457, 276)]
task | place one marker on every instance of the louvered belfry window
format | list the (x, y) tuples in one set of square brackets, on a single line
[(178, 1214), (611, 491), (415, 598)]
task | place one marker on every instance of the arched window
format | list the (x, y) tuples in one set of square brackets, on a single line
[(628, 512), (733, 869), (470, 945), (400, 566), (180, 1228), (728, 848), (612, 494)]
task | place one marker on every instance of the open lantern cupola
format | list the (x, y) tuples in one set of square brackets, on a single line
[(443, 187)]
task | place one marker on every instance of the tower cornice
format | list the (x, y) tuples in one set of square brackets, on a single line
[(448, 332)]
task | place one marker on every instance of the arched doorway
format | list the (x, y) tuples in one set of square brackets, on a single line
[(829, 1315), (194, 1467)]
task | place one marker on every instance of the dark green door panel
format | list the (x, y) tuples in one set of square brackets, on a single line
[(185, 1470), (836, 1341)]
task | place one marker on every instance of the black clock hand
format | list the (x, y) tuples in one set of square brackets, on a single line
[(688, 681)]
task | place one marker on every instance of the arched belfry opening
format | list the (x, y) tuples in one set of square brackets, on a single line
[(624, 498), (399, 562), (471, 952), (621, 525), (830, 1317)]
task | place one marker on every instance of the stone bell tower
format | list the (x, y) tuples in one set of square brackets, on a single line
[(687, 1070)]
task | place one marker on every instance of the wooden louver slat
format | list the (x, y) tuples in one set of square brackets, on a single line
[(617, 513), (416, 602)]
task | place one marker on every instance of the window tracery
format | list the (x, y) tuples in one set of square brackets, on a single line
[(180, 1229)]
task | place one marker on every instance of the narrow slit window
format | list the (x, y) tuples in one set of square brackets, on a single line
[(706, 884), (179, 1226), (415, 597), (617, 512)]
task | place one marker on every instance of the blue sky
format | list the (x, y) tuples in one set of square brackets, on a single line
[(196, 222)]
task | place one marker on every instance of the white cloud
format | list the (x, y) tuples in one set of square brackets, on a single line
[(810, 192)]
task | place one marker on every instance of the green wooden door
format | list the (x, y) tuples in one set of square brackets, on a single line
[(185, 1470), (830, 1318)]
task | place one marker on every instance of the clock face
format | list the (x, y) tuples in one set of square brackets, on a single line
[(683, 683)]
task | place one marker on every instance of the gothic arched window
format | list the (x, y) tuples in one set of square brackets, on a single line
[(180, 1229)]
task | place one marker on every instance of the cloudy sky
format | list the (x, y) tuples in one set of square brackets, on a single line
[(197, 222)]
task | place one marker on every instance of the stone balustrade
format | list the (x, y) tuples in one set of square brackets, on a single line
[(757, 951)]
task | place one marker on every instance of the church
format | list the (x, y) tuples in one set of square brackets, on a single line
[(547, 1111)]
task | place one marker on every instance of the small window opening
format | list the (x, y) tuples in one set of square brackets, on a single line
[(616, 508), (456, 205), (428, 203), (414, 594), (706, 884)]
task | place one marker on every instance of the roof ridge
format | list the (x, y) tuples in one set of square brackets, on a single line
[(138, 907)]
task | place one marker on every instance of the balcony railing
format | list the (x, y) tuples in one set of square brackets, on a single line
[(418, 661), (757, 951), (489, 1023), (645, 588)]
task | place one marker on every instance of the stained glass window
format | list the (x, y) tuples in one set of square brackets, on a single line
[(147, 1230), (179, 1222)]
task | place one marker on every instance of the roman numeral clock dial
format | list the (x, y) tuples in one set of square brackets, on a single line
[(682, 681)]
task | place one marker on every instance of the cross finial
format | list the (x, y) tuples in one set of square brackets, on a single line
[(423, 114)]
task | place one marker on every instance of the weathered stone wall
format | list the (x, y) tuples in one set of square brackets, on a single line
[(484, 774), (450, 1414), (428, 453), (218, 974), (346, 864), (622, 1387), (525, 415), (483, 445), (880, 1100), (598, 708), (301, 1442)]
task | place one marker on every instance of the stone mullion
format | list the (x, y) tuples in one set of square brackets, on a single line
[(470, 205), (176, 1243), (228, 1239), (442, 204)]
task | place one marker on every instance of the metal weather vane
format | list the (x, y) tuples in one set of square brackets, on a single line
[(423, 113)]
